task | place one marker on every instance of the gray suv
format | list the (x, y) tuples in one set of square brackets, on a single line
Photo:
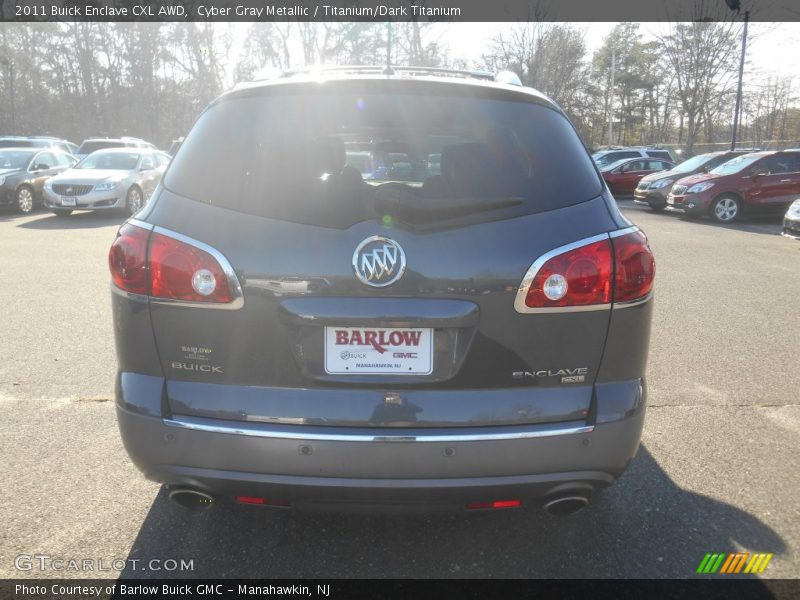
[(472, 336)]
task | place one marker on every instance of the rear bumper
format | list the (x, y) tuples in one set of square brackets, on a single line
[(377, 469)]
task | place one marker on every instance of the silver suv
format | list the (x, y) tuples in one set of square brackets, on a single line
[(611, 155)]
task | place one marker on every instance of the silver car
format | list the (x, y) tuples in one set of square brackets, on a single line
[(116, 178)]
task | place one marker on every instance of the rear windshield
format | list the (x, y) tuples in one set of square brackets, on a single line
[(17, 144), (334, 159), (89, 147)]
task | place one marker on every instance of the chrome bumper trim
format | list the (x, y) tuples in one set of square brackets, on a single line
[(253, 430)]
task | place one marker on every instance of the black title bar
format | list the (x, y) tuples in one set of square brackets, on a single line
[(398, 10)]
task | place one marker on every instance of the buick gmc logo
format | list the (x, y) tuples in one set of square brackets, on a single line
[(379, 261)]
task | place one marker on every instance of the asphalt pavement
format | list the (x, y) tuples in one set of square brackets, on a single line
[(718, 470)]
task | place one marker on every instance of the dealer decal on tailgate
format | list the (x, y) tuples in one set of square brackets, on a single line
[(378, 351)]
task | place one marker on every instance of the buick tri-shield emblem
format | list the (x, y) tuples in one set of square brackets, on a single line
[(379, 261)]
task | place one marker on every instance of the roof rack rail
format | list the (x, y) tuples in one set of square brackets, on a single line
[(383, 70)]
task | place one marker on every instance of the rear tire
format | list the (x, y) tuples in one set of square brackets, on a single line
[(725, 209), (656, 207), (23, 201), (60, 212)]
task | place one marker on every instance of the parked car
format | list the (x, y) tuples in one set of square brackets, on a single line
[(755, 182), (117, 178), (654, 188), (23, 173), (623, 176), (791, 221), (37, 141), (93, 144), (603, 158), (408, 362)]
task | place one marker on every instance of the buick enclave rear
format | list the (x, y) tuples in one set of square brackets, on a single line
[(370, 292)]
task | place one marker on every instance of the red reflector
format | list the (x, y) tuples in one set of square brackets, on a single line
[(588, 272), (127, 259), (174, 264), (635, 267), (249, 500), (495, 504), (261, 501), (506, 503)]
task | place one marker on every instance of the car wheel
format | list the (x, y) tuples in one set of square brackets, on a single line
[(725, 209), (60, 212), (134, 201), (24, 199), (656, 207)]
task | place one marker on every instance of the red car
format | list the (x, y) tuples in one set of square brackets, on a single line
[(623, 176), (756, 182)]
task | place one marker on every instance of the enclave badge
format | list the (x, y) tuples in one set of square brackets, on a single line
[(379, 261)]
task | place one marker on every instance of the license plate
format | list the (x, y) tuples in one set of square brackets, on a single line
[(66, 201), (670, 200), (378, 351)]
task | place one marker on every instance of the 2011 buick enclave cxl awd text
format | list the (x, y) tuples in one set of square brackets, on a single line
[(465, 333)]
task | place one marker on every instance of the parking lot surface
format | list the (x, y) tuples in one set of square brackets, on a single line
[(718, 470)]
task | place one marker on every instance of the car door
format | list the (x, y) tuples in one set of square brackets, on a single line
[(43, 167), (771, 182), (789, 182), (630, 174), (149, 175)]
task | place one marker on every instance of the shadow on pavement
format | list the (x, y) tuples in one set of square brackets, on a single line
[(77, 220), (764, 224), (645, 526)]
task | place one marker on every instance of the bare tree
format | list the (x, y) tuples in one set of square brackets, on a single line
[(703, 58)]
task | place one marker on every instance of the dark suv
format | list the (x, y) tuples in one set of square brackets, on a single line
[(291, 333)]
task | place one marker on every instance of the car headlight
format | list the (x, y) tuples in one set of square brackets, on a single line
[(106, 187), (660, 184), (2, 179), (699, 187), (794, 209), (48, 185)]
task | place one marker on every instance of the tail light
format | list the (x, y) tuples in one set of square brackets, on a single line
[(589, 275), (167, 266), (127, 259), (494, 504), (634, 267)]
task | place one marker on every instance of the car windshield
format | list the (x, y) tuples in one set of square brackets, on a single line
[(735, 165), (15, 159), (333, 157), (89, 147), (693, 163), (117, 161)]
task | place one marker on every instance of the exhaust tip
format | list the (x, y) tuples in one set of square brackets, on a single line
[(193, 500), (564, 506)]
